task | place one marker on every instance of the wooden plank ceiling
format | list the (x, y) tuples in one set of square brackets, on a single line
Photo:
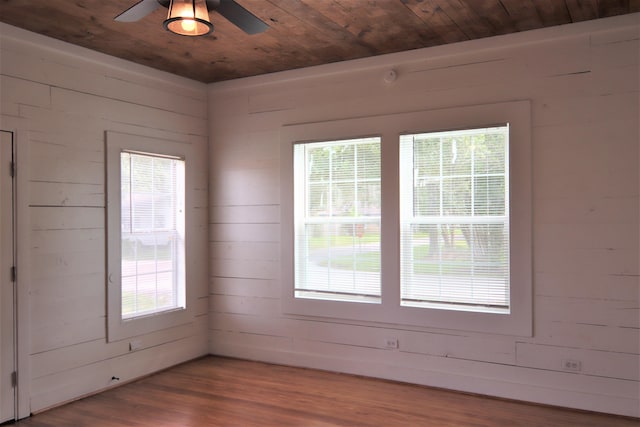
[(301, 33)]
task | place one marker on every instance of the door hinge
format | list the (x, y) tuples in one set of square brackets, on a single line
[(14, 274), (14, 379)]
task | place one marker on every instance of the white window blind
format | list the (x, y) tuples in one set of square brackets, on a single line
[(152, 234), (454, 191), (337, 220)]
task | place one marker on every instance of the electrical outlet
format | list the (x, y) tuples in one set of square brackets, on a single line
[(135, 345), (391, 343), (572, 365)]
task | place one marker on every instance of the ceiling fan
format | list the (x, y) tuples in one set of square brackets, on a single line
[(191, 17)]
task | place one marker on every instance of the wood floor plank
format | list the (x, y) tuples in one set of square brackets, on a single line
[(216, 391)]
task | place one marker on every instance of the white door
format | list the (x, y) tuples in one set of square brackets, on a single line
[(7, 282)]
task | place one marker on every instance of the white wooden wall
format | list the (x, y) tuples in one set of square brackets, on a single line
[(583, 83), (60, 100)]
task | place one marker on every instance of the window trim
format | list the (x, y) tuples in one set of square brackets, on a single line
[(302, 219), (178, 267), (409, 218), (518, 114), (118, 328)]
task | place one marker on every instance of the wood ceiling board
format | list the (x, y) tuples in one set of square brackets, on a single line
[(301, 33), (496, 15), (582, 10), (472, 25), (381, 27), (524, 13), (313, 32), (553, 12), (434, 17)]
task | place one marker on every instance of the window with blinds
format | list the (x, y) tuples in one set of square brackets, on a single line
[(337, 220), (152, 234), (454, 213)]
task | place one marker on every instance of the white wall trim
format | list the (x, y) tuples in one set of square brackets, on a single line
[(23, 265)]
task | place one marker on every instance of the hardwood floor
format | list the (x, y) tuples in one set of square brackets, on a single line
[(215, 391)]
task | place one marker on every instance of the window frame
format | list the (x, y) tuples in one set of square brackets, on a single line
[(177, 231), (389, 127), (302, 218), (117, 327), (410, 219)]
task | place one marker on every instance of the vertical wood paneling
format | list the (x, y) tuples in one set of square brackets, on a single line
[(584, 93)]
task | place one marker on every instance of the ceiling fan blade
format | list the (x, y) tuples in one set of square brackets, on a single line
[(138, 11), (241, 17)]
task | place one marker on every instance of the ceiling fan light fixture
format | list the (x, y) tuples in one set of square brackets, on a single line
[(188, 18)]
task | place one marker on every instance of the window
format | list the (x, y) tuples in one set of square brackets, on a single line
[(147, 241), (337, 220), (432, 228), (454, 209), (152, 220)]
